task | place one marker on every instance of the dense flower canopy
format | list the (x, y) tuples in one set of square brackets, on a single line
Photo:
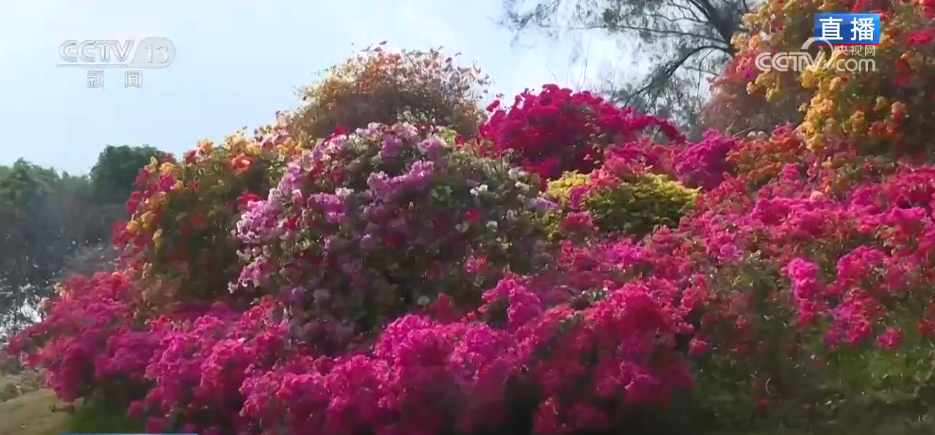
[(558, 130), (424, 88), (368, 225), (574, 268)]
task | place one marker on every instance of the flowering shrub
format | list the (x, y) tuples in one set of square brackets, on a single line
[(84, 341), (761, 158), (639, 206), (397, 280), (378, 85), (631, 206), (829, 281), (558, 130), (811, 265), (217, 370), (816, 293), (736, 107), (221, 372), (623, 197), (369, 225), (179, 237), (203, 360), (704, 164), (879, 111)]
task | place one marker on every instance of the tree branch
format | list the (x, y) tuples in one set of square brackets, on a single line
[(667, 71)]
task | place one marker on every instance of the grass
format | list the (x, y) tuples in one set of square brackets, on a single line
[(31, 414), (14, 385), (99, 419), (26, 410)]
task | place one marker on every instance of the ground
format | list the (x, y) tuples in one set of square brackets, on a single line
[(31, 414)]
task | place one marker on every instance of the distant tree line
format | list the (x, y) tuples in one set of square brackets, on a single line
[(53, 224)]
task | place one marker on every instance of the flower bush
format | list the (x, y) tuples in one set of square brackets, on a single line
[(813, 289), (828, 281), (370, 225), (179, 237), (737, 107), (558, 130), (879, 111), (623, 197), (424, 88), (85, 341), (614, 206), (216, 370), (402, 280), (704, 164), (204, 358)]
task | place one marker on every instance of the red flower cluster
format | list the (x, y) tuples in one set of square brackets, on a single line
[(560, 130), (87, 339), (219, 370)]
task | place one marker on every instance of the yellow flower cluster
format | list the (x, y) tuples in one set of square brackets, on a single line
[(561, 189), (853, 101)]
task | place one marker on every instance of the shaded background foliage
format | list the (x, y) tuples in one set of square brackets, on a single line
[(55, 224), (116, 169)]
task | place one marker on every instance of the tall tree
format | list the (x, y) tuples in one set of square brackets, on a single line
[(686, 41), (23, 265), (114, 174), (44, 217)]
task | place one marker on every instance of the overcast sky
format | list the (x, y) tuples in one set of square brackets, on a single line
[(238, 62)]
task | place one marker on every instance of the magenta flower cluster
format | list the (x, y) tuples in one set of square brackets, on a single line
[(396, 286), (704, 164)]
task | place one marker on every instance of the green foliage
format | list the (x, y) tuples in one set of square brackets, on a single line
[(561, 189), (98, 417), (44, 217), (114, 174), (636, 207), (633, 206)]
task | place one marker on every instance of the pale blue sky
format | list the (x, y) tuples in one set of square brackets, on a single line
[(238, 62)]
